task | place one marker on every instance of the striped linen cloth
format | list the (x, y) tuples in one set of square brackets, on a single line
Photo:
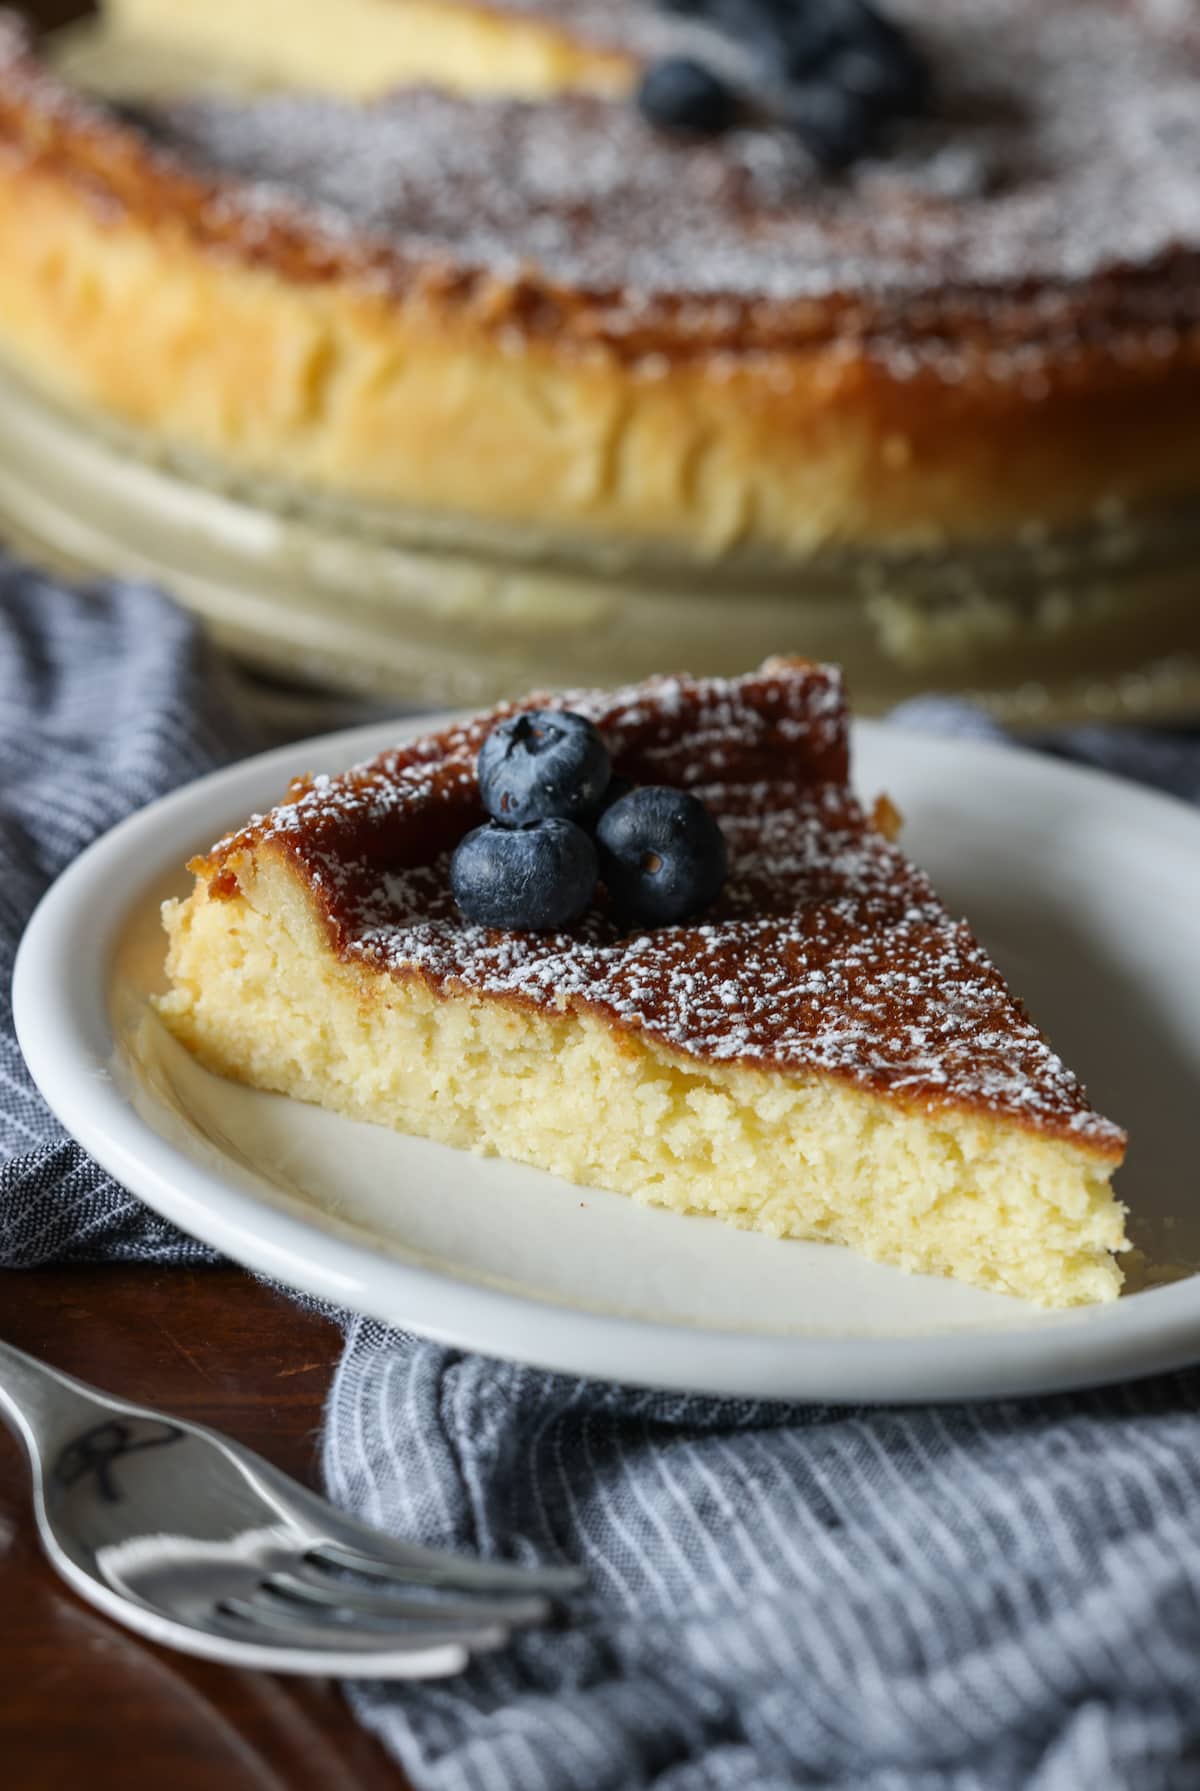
[(999, 1598)]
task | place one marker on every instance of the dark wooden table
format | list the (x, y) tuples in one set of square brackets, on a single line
[(85, 1705)]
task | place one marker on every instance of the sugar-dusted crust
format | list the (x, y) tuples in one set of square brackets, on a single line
[(388, 302), (828, 954)]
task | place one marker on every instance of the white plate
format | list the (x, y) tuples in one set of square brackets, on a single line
[(1085, 889)]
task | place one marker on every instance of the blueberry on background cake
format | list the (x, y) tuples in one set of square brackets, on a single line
[(908, 350)]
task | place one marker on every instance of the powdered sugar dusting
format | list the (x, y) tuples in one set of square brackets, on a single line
[(827, 951), (1066, 143)]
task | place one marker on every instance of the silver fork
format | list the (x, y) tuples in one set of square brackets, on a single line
[(200, 1544)]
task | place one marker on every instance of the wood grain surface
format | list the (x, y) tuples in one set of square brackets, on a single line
[(85, 1705)]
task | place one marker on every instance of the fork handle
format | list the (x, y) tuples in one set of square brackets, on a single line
[(38, 1402)]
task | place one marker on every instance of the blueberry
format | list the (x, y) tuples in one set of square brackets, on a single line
[(894, 83), (845, 42), (662, 855), (810, 35), (542, 763), (834, 126), (678, 94), (537, 878)]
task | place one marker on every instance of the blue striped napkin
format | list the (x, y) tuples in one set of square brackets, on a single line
[(1000, 1598)]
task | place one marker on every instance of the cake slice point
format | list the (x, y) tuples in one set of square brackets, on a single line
[(825, 1054)]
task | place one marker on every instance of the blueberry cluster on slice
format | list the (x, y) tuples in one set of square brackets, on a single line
[(835, 73), (562, 823)]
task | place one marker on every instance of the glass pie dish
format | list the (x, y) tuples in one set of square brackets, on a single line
[(1102, 624)]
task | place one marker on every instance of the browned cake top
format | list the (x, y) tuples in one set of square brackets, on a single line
[(827, 950), (1052, 202)]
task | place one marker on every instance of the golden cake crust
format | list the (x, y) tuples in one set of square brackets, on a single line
[(880, 388), (827, 953)]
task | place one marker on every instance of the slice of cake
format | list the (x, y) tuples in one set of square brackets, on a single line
[(823, 1053)]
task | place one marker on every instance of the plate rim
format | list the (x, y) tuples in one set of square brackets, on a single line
[(63, 1028)]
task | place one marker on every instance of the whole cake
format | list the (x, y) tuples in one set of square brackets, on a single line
[(551, 315), (821, 1051)]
